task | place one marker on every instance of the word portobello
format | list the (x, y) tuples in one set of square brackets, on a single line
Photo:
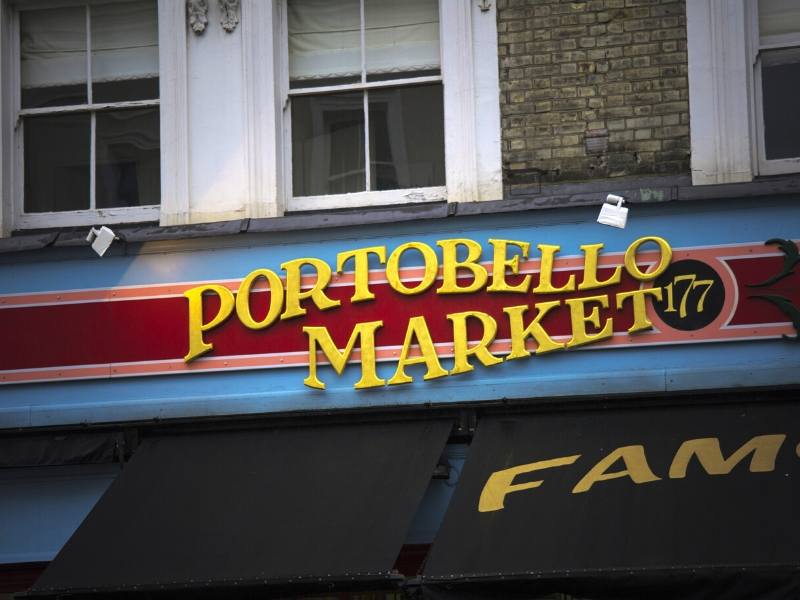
[(288, 294)]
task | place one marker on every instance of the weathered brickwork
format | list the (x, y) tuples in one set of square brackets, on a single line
[(593, 89)]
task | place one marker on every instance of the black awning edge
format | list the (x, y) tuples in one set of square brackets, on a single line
[(719, 583), (655, 572), (394, 579)]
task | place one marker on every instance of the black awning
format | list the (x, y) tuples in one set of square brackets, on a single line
[(626, 493), (250, 507)]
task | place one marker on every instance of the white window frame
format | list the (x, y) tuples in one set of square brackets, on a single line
[(173, 137), (472, 171), (765, 166), (726, 121), (471, 112)]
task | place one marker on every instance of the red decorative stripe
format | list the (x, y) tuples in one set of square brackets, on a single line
[(95, 333), (144, 330)]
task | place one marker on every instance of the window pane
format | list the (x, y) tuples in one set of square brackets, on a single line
[(778, 18), (406, 137), (128, 169), (57, 163), (401, 38), (328, 144), (124, 51), (324, 42), (780, 84), (53, 57)]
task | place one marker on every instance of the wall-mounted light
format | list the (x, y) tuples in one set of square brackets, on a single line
[(100, 239), (613, 213)]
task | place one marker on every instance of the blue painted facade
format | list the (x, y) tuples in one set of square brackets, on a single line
[(40, 508), (563, 376)]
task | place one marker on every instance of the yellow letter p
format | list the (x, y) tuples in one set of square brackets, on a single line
[(197, 347)]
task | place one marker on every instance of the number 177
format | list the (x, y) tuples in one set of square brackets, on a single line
[(692, 283)]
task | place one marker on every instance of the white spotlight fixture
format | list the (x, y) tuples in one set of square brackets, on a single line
[(100, 239), (613, 213)]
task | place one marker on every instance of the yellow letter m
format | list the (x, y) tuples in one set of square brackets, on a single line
[(319, 336), (764, 450)]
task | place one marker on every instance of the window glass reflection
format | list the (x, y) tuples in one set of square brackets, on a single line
[(124, 51), (57, 163), (128, 169), (406, 132), (780, 81), (53, 57), (324, 42), (402, 38), (328, 144)]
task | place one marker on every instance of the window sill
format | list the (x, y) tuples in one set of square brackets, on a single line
[(785, 166), (77, 218), (368, 199)]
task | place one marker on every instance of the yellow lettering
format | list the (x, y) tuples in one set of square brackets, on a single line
[(636, 468), (461, 349), (500, 483), (361, 268), (546, 273), (294, 294), (418, 328), (579, 319), (275, 299), (501, 262), (520, 333), (665, 256), (198, 347), (591, 256), (451, 265), (639, 300), (319, 336), (764, 449), (393, 268)]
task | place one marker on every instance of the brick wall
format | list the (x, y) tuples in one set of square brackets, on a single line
[(593, 89)]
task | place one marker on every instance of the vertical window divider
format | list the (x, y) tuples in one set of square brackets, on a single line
[(89, 98), (92, 116), (92, 154), (367, 162)]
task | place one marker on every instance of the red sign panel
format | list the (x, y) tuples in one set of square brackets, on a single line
[(708, 294)]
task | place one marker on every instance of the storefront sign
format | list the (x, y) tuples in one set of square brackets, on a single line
[(586, 326), (480, 302), (624, 491)]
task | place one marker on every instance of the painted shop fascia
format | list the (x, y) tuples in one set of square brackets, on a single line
[(285, 303), (526, 305)]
